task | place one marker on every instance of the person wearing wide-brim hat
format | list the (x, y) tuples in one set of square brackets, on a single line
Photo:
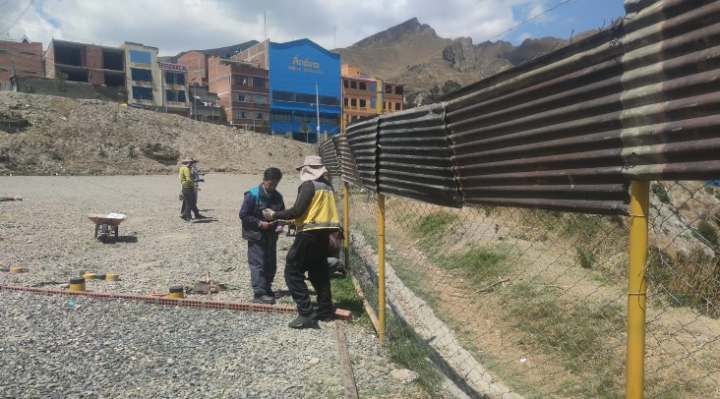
[(316, 218), (187, 183)]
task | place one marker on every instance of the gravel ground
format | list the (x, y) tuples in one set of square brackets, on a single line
[(90, 348)]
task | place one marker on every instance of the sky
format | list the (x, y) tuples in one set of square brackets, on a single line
[(180, 25)]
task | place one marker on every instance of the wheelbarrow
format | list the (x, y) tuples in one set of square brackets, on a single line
[(106, 225)]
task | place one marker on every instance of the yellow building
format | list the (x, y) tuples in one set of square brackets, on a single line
[(364, 96)]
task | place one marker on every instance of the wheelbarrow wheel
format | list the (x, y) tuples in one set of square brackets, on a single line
[(97, 228), (117, 232)]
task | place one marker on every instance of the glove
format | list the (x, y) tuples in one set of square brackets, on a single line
[(268, 214)]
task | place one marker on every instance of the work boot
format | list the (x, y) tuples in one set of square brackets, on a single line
[(264, 299), (200, 217), (304, 321)]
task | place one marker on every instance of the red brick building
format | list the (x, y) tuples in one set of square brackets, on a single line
[(197, 65), (80, 62), (241, 87), (22, 58)]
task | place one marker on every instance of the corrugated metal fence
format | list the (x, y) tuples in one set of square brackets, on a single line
[(567, 130)]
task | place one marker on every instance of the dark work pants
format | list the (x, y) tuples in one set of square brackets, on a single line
[(189, 203), (309, 254), (262, 258)]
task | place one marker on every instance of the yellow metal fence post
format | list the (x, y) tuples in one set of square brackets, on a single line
[(346, 223), (637, 295), (381, 267)]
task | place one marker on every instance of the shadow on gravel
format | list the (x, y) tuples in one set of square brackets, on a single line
[(121, 239), (206, 220)]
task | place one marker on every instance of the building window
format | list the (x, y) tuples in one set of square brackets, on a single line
[(170, 78), (241, 97), (28, 71), (180, 79), (278, 95), (141, 57), (170, 95), (260, 99), (398, 90), (242, 114), (363, 103), (259, 82), (388, 89), (328, 120), (362, 86), (141, 75), (241, 80), (346, 101), (398, 106), (181, 96), (142, 93), (27, 53), (353, 84), (3, 51), (305, 118), (345, 83), (305, 98), (353, 102), (280, 117), (329, 100), (259, 115), (372, 87)]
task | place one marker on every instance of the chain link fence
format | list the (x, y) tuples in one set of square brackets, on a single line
[(512, 302)]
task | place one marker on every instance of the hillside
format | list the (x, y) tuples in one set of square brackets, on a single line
[(88, 137), (413, 54)]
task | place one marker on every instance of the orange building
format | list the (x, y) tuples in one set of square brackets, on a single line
[(364, 96)]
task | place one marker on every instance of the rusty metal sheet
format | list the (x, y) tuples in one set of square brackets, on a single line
[(362, 136), (348, 168), (329, 156), (671, 107), (414, 157), (546, 133), (569, 129)]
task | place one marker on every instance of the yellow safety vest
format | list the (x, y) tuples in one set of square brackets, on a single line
[(322, 212)]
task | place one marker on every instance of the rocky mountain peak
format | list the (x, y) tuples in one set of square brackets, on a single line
[(397, 32)]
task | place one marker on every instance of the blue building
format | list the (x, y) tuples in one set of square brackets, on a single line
[(304, 78)]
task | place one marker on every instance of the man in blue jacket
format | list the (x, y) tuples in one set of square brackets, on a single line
[(262, 235)]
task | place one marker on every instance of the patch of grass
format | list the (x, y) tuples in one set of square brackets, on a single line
[(578, 333), (685, 280), (408, 349), (660, 192), (586, 258), (345, 297), (708, 233), (478, 264)]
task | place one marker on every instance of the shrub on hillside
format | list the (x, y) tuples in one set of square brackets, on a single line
[(166, 156)]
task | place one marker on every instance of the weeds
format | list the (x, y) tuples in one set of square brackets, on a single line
[(660, 192), (586, 258), (707, 233), (685, 279), (478, 264), (581, 334), (408, 349)]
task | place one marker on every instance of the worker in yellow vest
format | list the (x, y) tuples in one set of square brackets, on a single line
[(316, 218)]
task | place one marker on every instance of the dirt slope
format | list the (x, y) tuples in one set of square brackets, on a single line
[(92, 137)]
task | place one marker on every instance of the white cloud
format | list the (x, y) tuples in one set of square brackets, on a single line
[(178, 25)]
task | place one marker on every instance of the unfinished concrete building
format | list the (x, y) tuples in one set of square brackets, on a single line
[(80, 62)]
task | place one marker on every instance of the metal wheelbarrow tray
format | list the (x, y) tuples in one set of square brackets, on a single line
[(108, 224)]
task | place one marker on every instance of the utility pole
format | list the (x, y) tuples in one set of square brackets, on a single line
[(317, 106)]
